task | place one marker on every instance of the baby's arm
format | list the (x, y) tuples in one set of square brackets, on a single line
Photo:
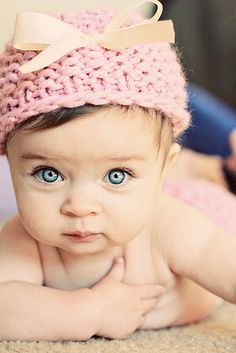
[(30, 311), (198, 249), (27, 309)]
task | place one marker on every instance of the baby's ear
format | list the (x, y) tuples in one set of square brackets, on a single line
[(171, 157), (173, 154)]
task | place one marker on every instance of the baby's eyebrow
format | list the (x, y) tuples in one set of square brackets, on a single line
[(124, 159), (30, 156)]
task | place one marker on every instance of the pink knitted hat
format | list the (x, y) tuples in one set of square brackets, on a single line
[(148, 75)]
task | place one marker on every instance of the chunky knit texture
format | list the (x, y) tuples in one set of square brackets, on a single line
[(148, 75)]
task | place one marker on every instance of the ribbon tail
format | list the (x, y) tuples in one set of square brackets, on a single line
[(162, 31), (54, 52)]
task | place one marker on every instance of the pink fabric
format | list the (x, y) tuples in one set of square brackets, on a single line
[(148, 75), (7, 196), (217, 203)]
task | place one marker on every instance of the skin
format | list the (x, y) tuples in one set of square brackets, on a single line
[(83, 197), (161, 239)]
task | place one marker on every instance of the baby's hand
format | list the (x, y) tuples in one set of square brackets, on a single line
[(122, 306)]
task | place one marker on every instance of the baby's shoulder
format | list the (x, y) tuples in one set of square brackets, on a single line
[(167, 211), (180, 233), (13, 229), (19, 254), (174, 217)]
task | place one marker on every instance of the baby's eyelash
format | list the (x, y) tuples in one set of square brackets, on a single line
[(124, 169), (36, 169)]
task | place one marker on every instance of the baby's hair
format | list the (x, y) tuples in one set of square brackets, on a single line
[(155, 119)]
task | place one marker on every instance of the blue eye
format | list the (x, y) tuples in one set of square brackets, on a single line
[(47, 175), (117, 176)]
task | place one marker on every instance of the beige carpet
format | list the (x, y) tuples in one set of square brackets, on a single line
[(217, 334)]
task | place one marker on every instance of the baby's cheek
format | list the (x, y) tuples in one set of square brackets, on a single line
[(136, 218), (32, 221), (36, 219)]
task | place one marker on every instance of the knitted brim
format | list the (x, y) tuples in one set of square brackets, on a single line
[(148, 75)]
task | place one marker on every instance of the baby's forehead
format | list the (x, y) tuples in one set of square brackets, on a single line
[(148, 120), (122, 132), (101, 136)]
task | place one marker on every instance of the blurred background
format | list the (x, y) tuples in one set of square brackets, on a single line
[(205, 35)]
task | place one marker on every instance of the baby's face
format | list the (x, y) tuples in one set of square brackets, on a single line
[(98, 173)]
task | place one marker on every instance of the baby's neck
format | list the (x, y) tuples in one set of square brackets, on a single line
[(91, 268)]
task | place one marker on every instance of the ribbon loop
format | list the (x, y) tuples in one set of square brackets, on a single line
[(117, 21), (35, 31), (54, 38)]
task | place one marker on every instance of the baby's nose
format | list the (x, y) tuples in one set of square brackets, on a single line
[(81, 201)]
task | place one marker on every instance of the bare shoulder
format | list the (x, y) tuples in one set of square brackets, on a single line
[(195, 247), (183, 233), (13, 230), (19, 254), (178, 217)]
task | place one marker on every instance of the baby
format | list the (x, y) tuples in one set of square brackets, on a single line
[(97, 246)]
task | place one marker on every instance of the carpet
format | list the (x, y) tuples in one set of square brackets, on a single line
[(216, 334)]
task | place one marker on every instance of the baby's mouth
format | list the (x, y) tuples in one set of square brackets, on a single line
[(82, 236)]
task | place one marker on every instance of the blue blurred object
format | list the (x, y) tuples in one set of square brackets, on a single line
[(212, 122)]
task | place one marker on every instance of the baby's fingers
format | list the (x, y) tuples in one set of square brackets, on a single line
[(148, 305), (148, 291)]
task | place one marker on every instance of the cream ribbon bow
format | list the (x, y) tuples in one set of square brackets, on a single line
[(54, 38)]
